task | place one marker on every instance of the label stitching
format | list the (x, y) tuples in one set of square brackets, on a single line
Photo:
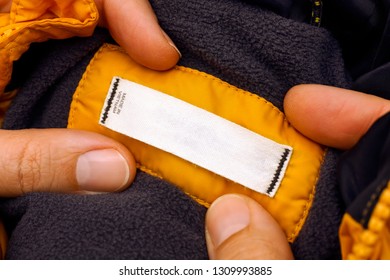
[(278, 172), (112, 94), (280, 165)]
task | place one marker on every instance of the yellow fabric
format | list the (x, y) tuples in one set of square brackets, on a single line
[(37, 21), (358, 243), (293, 200)]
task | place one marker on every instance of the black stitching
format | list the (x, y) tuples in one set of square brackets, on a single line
[(109, 102), (278, 171)]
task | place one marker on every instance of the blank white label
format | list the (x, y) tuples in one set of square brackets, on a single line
[(195, 135)]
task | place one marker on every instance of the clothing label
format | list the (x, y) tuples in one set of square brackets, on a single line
[(195, 135)]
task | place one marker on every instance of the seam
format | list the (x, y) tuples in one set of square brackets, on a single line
[(369, 204), (316, 13), (110, 47), (17, 5), (215, 79), (13, 15), (45, 24), (155, 174), (74, 109), (81, 85), (16, 40), (236, 89), (34, 28), (381, 214), (48, 23), (8, 31), (308, 203)]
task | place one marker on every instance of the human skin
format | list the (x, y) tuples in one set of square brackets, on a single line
[(237, 227)]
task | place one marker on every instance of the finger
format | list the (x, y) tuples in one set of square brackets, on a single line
[(333, 116), (61, 160), (134, 26), (5, 6), (237, 227)]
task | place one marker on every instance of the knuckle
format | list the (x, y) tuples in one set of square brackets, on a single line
[(28, 171), (249, 245)]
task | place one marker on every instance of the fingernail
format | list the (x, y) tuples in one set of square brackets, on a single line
[(102, 171), (170, 42), (226, 216)]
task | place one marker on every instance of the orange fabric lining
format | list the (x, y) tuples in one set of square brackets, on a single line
[(37, 21), (293, 200)]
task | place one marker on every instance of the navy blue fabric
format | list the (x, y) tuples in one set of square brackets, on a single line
[(363, 30), (150, 220), (365, 171)]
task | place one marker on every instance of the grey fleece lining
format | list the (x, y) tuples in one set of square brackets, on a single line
[(235, 41)]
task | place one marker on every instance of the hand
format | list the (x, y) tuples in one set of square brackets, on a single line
[(237, 227), (63, 160), (134, 26)]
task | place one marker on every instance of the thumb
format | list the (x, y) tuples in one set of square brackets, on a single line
[(237, 227), (62, 160), (134, 26)]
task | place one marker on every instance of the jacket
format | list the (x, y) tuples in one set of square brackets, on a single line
[(162, 215)]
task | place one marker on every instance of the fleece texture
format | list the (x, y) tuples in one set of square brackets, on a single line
[(236, 41)]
